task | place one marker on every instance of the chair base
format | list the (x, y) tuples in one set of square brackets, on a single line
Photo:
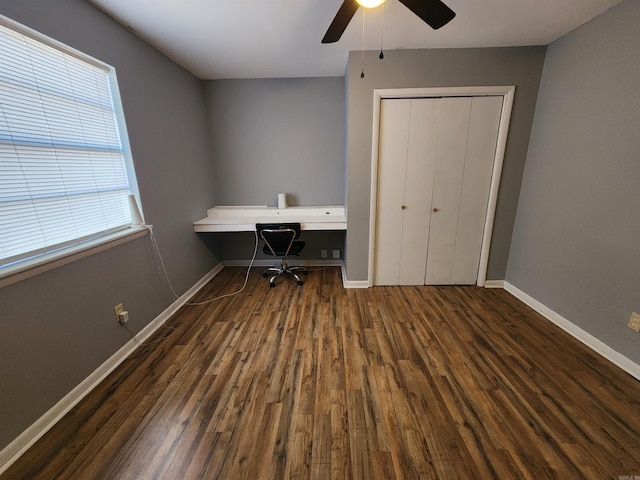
[(284, 269)]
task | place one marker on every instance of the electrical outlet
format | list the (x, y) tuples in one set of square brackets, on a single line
[(335, 254), (117, 309), (323, 254), (634, 322)]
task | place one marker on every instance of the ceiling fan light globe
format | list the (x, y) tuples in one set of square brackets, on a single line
[(370, 3)]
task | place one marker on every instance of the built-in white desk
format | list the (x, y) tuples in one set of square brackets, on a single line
[(244, 219)]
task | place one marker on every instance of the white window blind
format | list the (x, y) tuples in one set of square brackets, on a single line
[(63, 177)]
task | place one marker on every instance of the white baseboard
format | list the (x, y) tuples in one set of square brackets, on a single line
[(270, 263), (572, 329), (494, 284), (355, 283), (352, 283), (31, 435)]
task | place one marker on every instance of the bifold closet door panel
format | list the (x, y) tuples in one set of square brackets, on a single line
[(453, 126), (392, 161), (484, 123), (408, 137), (421, 157)]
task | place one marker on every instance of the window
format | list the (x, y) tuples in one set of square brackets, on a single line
[(63, 175)]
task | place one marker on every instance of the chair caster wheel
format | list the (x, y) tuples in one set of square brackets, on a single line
[(265, 275), (272, 285), (299, 282)]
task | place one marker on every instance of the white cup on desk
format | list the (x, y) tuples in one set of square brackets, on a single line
[(282, 200)]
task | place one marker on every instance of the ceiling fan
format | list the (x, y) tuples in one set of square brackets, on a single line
[(435, 13)]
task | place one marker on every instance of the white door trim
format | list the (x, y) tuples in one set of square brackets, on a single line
[(507, 93)]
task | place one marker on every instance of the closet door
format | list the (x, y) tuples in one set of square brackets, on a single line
[(468, 130), (434, 172)]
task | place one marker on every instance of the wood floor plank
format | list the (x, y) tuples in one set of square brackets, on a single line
[(299, 460), (318, 381), (339, 441)]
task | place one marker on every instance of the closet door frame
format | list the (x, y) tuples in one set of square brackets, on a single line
[(507, 94)]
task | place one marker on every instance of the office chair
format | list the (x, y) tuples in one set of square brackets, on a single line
[(281, 240)]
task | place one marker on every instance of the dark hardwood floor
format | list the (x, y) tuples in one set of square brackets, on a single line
[(319, 382)]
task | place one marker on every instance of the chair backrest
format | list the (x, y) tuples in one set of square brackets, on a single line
[(278, 237)]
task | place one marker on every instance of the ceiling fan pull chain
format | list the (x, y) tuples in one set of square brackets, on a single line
[(381, 56), (362, 47)]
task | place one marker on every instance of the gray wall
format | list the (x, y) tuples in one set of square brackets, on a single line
[(277, 135), (521, 67), (576, 242), (58, 327)]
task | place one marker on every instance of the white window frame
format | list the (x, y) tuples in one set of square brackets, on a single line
[(40, 263)]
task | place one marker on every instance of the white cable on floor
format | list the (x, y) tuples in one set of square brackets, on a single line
[(166, 275)]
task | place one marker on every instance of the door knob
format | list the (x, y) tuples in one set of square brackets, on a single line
[(436, 209), (404, 207)]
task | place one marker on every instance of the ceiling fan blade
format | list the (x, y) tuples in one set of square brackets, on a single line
[(433, 12), (343, 17)]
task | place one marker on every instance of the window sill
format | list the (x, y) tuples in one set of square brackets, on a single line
[(30, 268)]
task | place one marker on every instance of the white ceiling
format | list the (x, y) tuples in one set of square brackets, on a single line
[(217, 39)]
